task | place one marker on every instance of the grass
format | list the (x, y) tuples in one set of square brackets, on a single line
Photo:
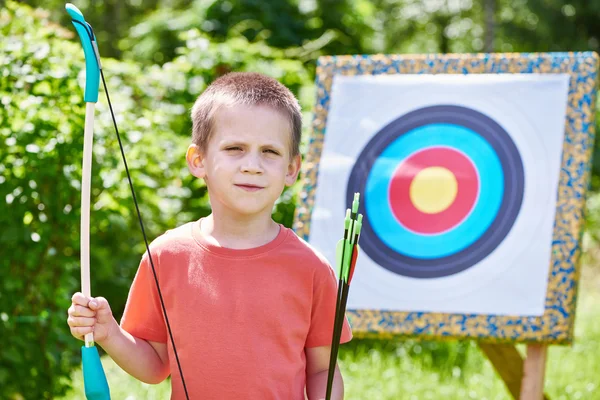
[(417, 370)]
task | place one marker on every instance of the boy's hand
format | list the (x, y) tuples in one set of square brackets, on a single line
[(91, 315)]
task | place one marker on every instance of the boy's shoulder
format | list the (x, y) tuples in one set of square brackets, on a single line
[(176, 239), (297, 243), (305, 252)]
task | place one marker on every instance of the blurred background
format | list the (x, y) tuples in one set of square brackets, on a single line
[(158, 56)]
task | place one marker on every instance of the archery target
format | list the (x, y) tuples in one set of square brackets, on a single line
[(458, 178), (443, 186)]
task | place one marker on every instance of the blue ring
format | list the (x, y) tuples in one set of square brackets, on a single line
[(412, 244)]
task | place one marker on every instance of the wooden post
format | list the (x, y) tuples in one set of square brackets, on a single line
[(534, 368), (508, 364), (521, 377)]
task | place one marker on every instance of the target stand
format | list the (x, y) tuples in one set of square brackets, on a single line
[(473, 171)]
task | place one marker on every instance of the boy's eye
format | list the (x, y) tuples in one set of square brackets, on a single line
[(272, 151), (233, 148)]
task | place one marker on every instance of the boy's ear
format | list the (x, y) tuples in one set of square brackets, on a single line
[(195, 161), (293, 170)]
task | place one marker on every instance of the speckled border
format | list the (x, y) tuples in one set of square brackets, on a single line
[(556, 325)]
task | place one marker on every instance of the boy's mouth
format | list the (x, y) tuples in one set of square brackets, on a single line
[(249, 188)]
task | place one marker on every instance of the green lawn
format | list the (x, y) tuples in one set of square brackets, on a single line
[(413, 370)]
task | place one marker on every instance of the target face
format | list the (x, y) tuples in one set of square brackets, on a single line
[(458, 180), (442, 187)]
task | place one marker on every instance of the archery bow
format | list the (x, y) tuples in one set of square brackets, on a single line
[(346, 256), (95, 383)]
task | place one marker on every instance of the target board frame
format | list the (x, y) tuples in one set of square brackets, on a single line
[(555, 326)]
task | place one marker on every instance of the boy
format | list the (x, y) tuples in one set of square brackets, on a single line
[(250, 304)]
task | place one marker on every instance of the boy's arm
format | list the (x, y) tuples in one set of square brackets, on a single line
[(144, 360), (317, 368)]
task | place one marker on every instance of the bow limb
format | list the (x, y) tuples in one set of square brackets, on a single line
[(94, 378)]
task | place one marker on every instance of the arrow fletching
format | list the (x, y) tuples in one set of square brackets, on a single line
[(355, 203)]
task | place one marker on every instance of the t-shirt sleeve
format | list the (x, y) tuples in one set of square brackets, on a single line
[(325, 288), (143, 316)]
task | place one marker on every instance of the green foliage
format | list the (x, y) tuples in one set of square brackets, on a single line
[(111, 19), (547, 25), (337, 26), (148, 31)]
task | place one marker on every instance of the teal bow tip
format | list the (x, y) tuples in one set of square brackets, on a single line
[(74, 12), (92, 64), (94, 379)]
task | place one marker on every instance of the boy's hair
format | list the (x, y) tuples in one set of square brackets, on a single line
[(248, 88)]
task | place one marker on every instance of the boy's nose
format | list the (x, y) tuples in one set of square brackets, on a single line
[(252, 164)]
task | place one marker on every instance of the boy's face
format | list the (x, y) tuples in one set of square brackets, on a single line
[(247, 162)]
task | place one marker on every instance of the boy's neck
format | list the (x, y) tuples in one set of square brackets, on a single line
[(237, 233)]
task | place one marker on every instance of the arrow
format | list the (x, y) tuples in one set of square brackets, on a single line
[(94, 378), (346, 256)]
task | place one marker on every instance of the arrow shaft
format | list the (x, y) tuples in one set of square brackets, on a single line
[(344, 263), (339, 324), (341, 307)]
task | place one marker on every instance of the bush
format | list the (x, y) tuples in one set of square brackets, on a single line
[(41, 125)]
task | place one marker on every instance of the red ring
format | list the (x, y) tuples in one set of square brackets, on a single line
[(399, 190)]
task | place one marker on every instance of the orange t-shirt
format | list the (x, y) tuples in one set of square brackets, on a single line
[(241, 319)]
